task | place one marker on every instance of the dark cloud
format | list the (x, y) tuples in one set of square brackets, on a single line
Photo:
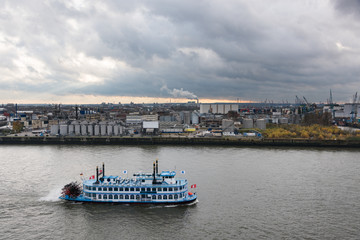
[(213, 49)]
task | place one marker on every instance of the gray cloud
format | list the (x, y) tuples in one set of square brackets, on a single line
[(212, 49)]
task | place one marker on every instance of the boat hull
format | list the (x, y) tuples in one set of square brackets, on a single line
[(187, 200)]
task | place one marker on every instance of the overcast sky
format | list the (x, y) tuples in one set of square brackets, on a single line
[(94, 51)]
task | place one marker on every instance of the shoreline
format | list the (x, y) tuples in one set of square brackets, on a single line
[(221, 141)]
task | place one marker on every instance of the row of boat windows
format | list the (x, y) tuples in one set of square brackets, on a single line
[(137, 189), (133, 196)]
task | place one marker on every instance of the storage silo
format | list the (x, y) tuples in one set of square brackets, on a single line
[(283, 121), (71, 130), (77, 129), (121, 130), (248, 123), (54, 129), (116, 130), (110, 130), (96, 130), (90, 129), (63, 130), (194, 118), (103, 129), (261, 124), (227, 125), (84, 129)]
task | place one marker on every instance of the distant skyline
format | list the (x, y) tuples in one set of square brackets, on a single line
[(76, 51)]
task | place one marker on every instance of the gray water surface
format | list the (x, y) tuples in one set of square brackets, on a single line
[(243, 193)]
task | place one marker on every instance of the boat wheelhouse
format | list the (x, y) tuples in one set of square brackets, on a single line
[(151, 188)]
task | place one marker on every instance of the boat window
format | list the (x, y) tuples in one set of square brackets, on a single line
[(153, 196), (175, 196), (116, 189), (104, 189), (132, 189), (170, 188), (159, 197), (170, 196), (110, 196), (116, 197), (175, 189), (99, 189), (121, 196), (126, 196), (126, 189), (143, 180), (143, 189), (132, 197), (108, 179), (137, 189), (137, 197), (148, 189), (94, 195), (121, 189), (165, 197), (94, 188), (110, 189), (100, 196), (142, 195), (159, 189), (165, 189), (105, 196), (154, 189)]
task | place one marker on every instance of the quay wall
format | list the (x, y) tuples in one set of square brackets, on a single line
[(223, 141)]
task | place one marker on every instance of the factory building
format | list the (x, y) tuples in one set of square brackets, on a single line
[(218, 108)]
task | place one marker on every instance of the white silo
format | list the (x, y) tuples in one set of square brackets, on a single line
[(227, 125), (84, 129), (248, 123), (261, 124), (103, 129), (71, 129), (110, 130), (63, 130), (116, 130), (283, 120), (96, 130), (54, 129), (90, 129), (77, 129)]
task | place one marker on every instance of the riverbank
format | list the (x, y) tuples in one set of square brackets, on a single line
[(221, 141)]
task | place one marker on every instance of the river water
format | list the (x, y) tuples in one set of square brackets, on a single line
[(243, 193)]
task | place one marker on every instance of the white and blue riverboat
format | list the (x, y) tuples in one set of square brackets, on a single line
[(148, 188)]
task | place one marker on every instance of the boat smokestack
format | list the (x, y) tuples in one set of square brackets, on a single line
[(103, 170), (157, 167), (97, 175), (154, 173)]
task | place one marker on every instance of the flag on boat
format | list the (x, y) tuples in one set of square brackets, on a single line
[(100, 171), (183, 172), (92, 177), (125, 171), (193, 186)]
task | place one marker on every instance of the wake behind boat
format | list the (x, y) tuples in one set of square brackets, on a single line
[(150, 188)]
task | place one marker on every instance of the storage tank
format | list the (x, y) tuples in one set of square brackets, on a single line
[(283, 121), (248, 123), (90, 130), (116, 130), (261, 123), (71, 129), (63, 130), (84, 129), (77, 129), (227, 125), (121, 130), (109, 130), (54, 129), (103, 129), (96, 130)]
